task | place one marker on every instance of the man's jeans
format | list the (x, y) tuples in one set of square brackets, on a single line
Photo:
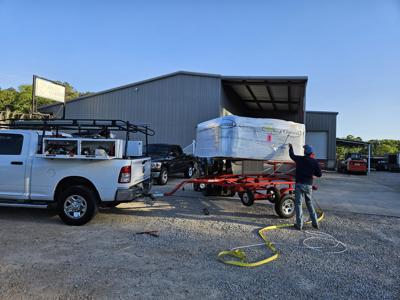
[(304, 191)]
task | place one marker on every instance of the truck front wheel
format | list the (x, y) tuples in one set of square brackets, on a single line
[(77, 205), (163, 178), (189, 172)]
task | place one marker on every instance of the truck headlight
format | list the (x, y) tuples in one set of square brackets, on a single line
[(156, 165)]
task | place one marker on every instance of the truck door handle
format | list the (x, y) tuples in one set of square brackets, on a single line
[(17, 163)]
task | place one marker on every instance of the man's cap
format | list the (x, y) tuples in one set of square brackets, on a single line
[(308, 150)]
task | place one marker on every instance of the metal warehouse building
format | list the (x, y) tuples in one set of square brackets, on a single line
[(175, 103)]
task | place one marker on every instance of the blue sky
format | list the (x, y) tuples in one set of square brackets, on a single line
[(349, 49)]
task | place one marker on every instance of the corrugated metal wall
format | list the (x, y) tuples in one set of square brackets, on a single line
[(324, 121), (172, 106)]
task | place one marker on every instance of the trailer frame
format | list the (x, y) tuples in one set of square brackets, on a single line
[(277, 188)]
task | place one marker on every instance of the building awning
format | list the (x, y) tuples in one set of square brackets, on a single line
[(350, 143), (284, 94)]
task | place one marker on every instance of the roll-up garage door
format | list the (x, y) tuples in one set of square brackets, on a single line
[(319, 141)]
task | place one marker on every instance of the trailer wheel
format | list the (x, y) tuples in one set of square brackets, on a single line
[(275, 194), (77, 205), (247, 198), (284, 207), (198, 187)]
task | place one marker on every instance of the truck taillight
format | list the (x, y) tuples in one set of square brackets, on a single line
[(125, 174)]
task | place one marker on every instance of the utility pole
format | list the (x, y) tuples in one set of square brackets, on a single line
[(369, 159), (33, 95)]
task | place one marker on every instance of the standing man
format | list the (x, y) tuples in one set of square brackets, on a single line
[(306, 168)]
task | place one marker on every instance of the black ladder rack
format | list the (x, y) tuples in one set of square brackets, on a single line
[(102, 125)]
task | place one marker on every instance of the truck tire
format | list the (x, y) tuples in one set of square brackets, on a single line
[(247, 198), (77, 205), (163, 178), (189, 172), (284, 207)]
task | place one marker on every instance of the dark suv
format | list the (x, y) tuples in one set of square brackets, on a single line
[(169, 159)]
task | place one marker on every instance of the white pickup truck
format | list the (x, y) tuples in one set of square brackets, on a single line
[(75, 187)]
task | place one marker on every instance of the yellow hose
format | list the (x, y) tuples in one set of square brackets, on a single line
[(240, 255)]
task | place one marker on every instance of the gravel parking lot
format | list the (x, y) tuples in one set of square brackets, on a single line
[(42, 258)]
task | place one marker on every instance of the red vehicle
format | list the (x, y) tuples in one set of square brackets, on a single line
[(353, 163)]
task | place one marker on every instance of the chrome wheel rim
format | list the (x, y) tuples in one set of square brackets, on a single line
[(190, 172), (272, 195), (288, 206), (75, 206), (245, 198), (164, 176)]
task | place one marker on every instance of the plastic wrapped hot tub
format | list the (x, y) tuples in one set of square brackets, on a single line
[(249, 138)]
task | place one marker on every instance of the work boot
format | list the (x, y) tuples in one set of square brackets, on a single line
[(316, 226), (297, 227)]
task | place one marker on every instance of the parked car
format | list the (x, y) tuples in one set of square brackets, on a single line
[(353, 163), (379, 163), (169, 159), (60, 177), (393, 162)]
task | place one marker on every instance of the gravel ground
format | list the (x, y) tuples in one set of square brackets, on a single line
[(42, 258)]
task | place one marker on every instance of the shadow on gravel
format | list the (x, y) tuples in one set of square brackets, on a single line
[(189, 208), (17, 214), (193, 210)]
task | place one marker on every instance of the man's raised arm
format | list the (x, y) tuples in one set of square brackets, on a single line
[(291, 153)]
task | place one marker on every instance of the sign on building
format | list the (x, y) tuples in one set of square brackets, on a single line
[(48, 89)]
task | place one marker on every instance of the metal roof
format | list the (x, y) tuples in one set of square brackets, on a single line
[(138, 83), (280, 93), (267, 93), (322, 112)]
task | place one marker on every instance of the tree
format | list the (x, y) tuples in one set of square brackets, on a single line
[(378, 147), (383, 147), (20, 100), (353, 138), (70, 92), (342, 150), (7, 97)]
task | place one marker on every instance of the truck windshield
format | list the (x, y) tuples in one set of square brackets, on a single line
[(158, 149), (355, 156)]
